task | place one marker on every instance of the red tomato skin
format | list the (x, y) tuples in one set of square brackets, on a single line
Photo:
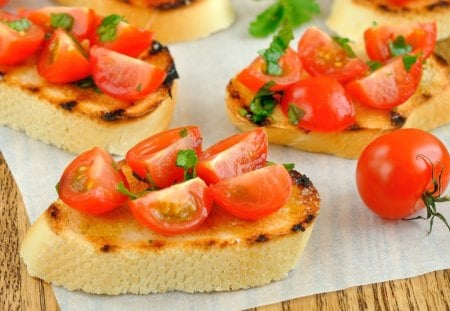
[(62, 60), (157, 155), (233, 156), (16, 47), (325, 102), (124, 77), (254, 76), (388, 86), (254, 195), (193, 192), (392, 175), (321, 55), (95, 170), (4, 2)]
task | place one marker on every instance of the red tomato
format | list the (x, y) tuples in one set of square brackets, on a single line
[(254, 76), (322, 55), (3, 2), (233, 156), (421, 38), (155, 157), (255, 194), (17, 45), (129, 40), (122, 76), (90, 183), (322, 102), (180, 208), (63, 60), (395, 170), (83, 19), (387, 87)]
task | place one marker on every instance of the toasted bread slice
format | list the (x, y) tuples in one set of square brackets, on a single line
[(76, 119), (428, 108), (114, 254), (349, 18), (183, 21)]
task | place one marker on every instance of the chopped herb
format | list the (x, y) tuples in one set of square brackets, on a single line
[(295, 114), (399, 47), (19, 25), (62, 20), (277, 48), (243, 112), (57, 187), (262, 105), (151, 181), (374, 65), (374, 23), (344, 43), (108, 28), (123, 190), (183, 132), (139, 87), (295, 12), (187, 159), (409, 61), (87, 83), (289, 166)]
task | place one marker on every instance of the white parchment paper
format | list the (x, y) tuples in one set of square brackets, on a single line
[(349, 246)]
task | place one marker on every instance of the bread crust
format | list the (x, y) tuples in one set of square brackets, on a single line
[(77, 119), (114, 254), (189, 22), (350, 18), (427, 109)]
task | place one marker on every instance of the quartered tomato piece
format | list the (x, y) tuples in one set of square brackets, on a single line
[(78, 21), (115, 34), (19, 39), (63, 60), (177, 209), (233, 156), (318, 104), (323, 55), (388, 86), (254, 76), (380, 40), (122, 76), (90, 183), (154, 158), (255, 194)]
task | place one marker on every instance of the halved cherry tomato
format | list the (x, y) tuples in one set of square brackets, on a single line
[(233, 156), (254, 76), (322, 55), (177, 209), (81, 25), (388, 86), (421, 38), (89, 183), (19, 39), (154, 158), (122, 37), (318, 104), (397, 169), (63, 60), (122, 76), (254, 194)]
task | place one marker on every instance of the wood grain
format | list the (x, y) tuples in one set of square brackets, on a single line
[(18, 291)]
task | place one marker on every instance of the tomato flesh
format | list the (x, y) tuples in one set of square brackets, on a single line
[(395, 170), (254, 194), (254, 76), (321, 55), (387, 87), (324, 103), (154, 158), (177, 209), (89, 183), (63, 60), (122, 76)]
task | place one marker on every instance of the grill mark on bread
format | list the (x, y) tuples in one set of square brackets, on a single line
[(113, 115), (385, 7), (107, 248), (300, 180), (69, 105)]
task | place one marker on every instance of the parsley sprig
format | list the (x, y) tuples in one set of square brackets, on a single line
[(108, 28), (19, 25), (277, 48), (62, 20), (399, 46), (187, 160), (295, 12), (262, 105), (344, 43)]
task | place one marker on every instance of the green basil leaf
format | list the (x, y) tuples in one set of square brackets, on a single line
[(409, 61), (374, 65), (344, 43), (399, 47), (62, 20), (19, 25), (108, 28)]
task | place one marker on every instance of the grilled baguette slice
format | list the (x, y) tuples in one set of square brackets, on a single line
[(76, 119), (187, 20), (113, 254), (350, 18), (427, 109)]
